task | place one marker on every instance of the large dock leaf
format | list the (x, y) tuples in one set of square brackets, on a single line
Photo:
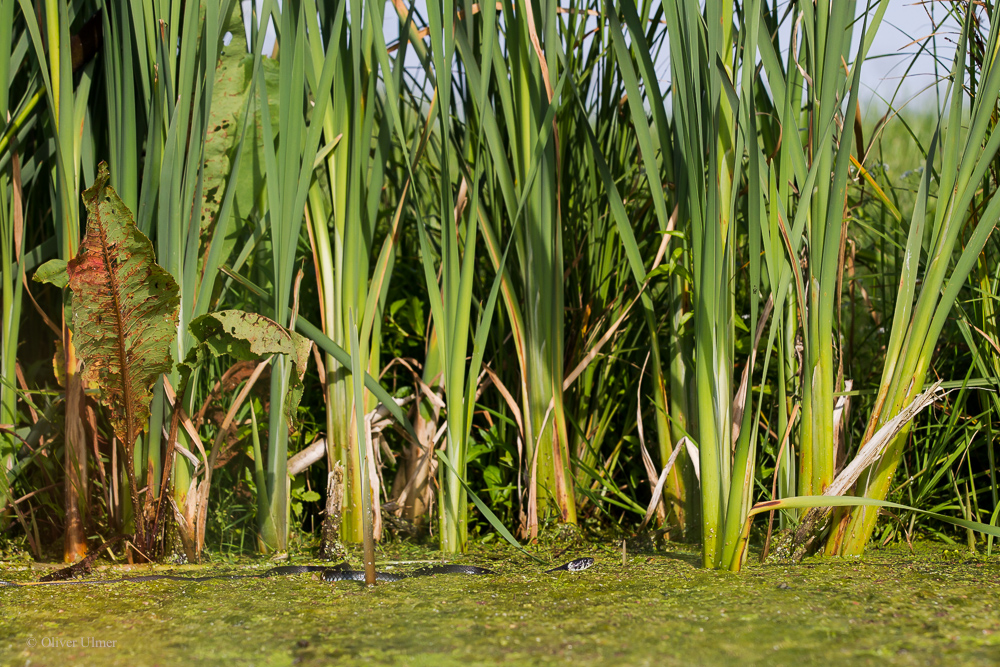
[(124, 310)]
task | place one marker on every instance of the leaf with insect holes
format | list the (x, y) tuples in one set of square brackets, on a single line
[(251, 336), (124, 310)]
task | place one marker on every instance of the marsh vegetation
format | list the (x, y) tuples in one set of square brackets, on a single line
[(492, 272)]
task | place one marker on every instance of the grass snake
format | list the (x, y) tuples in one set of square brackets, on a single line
[(341, 572)]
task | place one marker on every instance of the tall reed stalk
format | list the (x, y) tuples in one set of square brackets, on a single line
[(344, 229), (67, 109), (715, 93), (964, 212), (11, 251), (288, 167), (527, 171), (705, 154), (190, 160)]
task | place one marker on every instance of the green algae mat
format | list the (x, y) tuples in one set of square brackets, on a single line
[(889, 607)]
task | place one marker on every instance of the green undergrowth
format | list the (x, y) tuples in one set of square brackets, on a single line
[(933, 606)]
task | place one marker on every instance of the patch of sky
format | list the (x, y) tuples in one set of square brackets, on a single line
[(907, 66)]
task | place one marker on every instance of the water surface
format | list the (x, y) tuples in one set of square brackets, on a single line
[(889, 607)]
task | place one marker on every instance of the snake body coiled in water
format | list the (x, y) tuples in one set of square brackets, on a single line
[(341, 572)]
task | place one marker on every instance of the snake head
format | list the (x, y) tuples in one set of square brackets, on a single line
[(578, 565)]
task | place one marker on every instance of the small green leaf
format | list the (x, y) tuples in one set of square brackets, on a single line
[(661, 270), (52, 272), (395, 306), (308, 496)]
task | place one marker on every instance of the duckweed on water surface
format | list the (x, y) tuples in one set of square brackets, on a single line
[(889, 607)]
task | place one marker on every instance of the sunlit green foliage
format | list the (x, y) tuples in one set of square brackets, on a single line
[(604, 263)]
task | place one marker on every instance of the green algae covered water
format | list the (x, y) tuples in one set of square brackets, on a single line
[(889, 607)]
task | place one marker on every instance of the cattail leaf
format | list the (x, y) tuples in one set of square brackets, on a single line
[(124, 309)]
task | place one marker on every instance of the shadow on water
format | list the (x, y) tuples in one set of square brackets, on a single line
[(694, 560)]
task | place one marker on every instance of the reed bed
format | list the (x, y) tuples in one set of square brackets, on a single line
[(502, 267)]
